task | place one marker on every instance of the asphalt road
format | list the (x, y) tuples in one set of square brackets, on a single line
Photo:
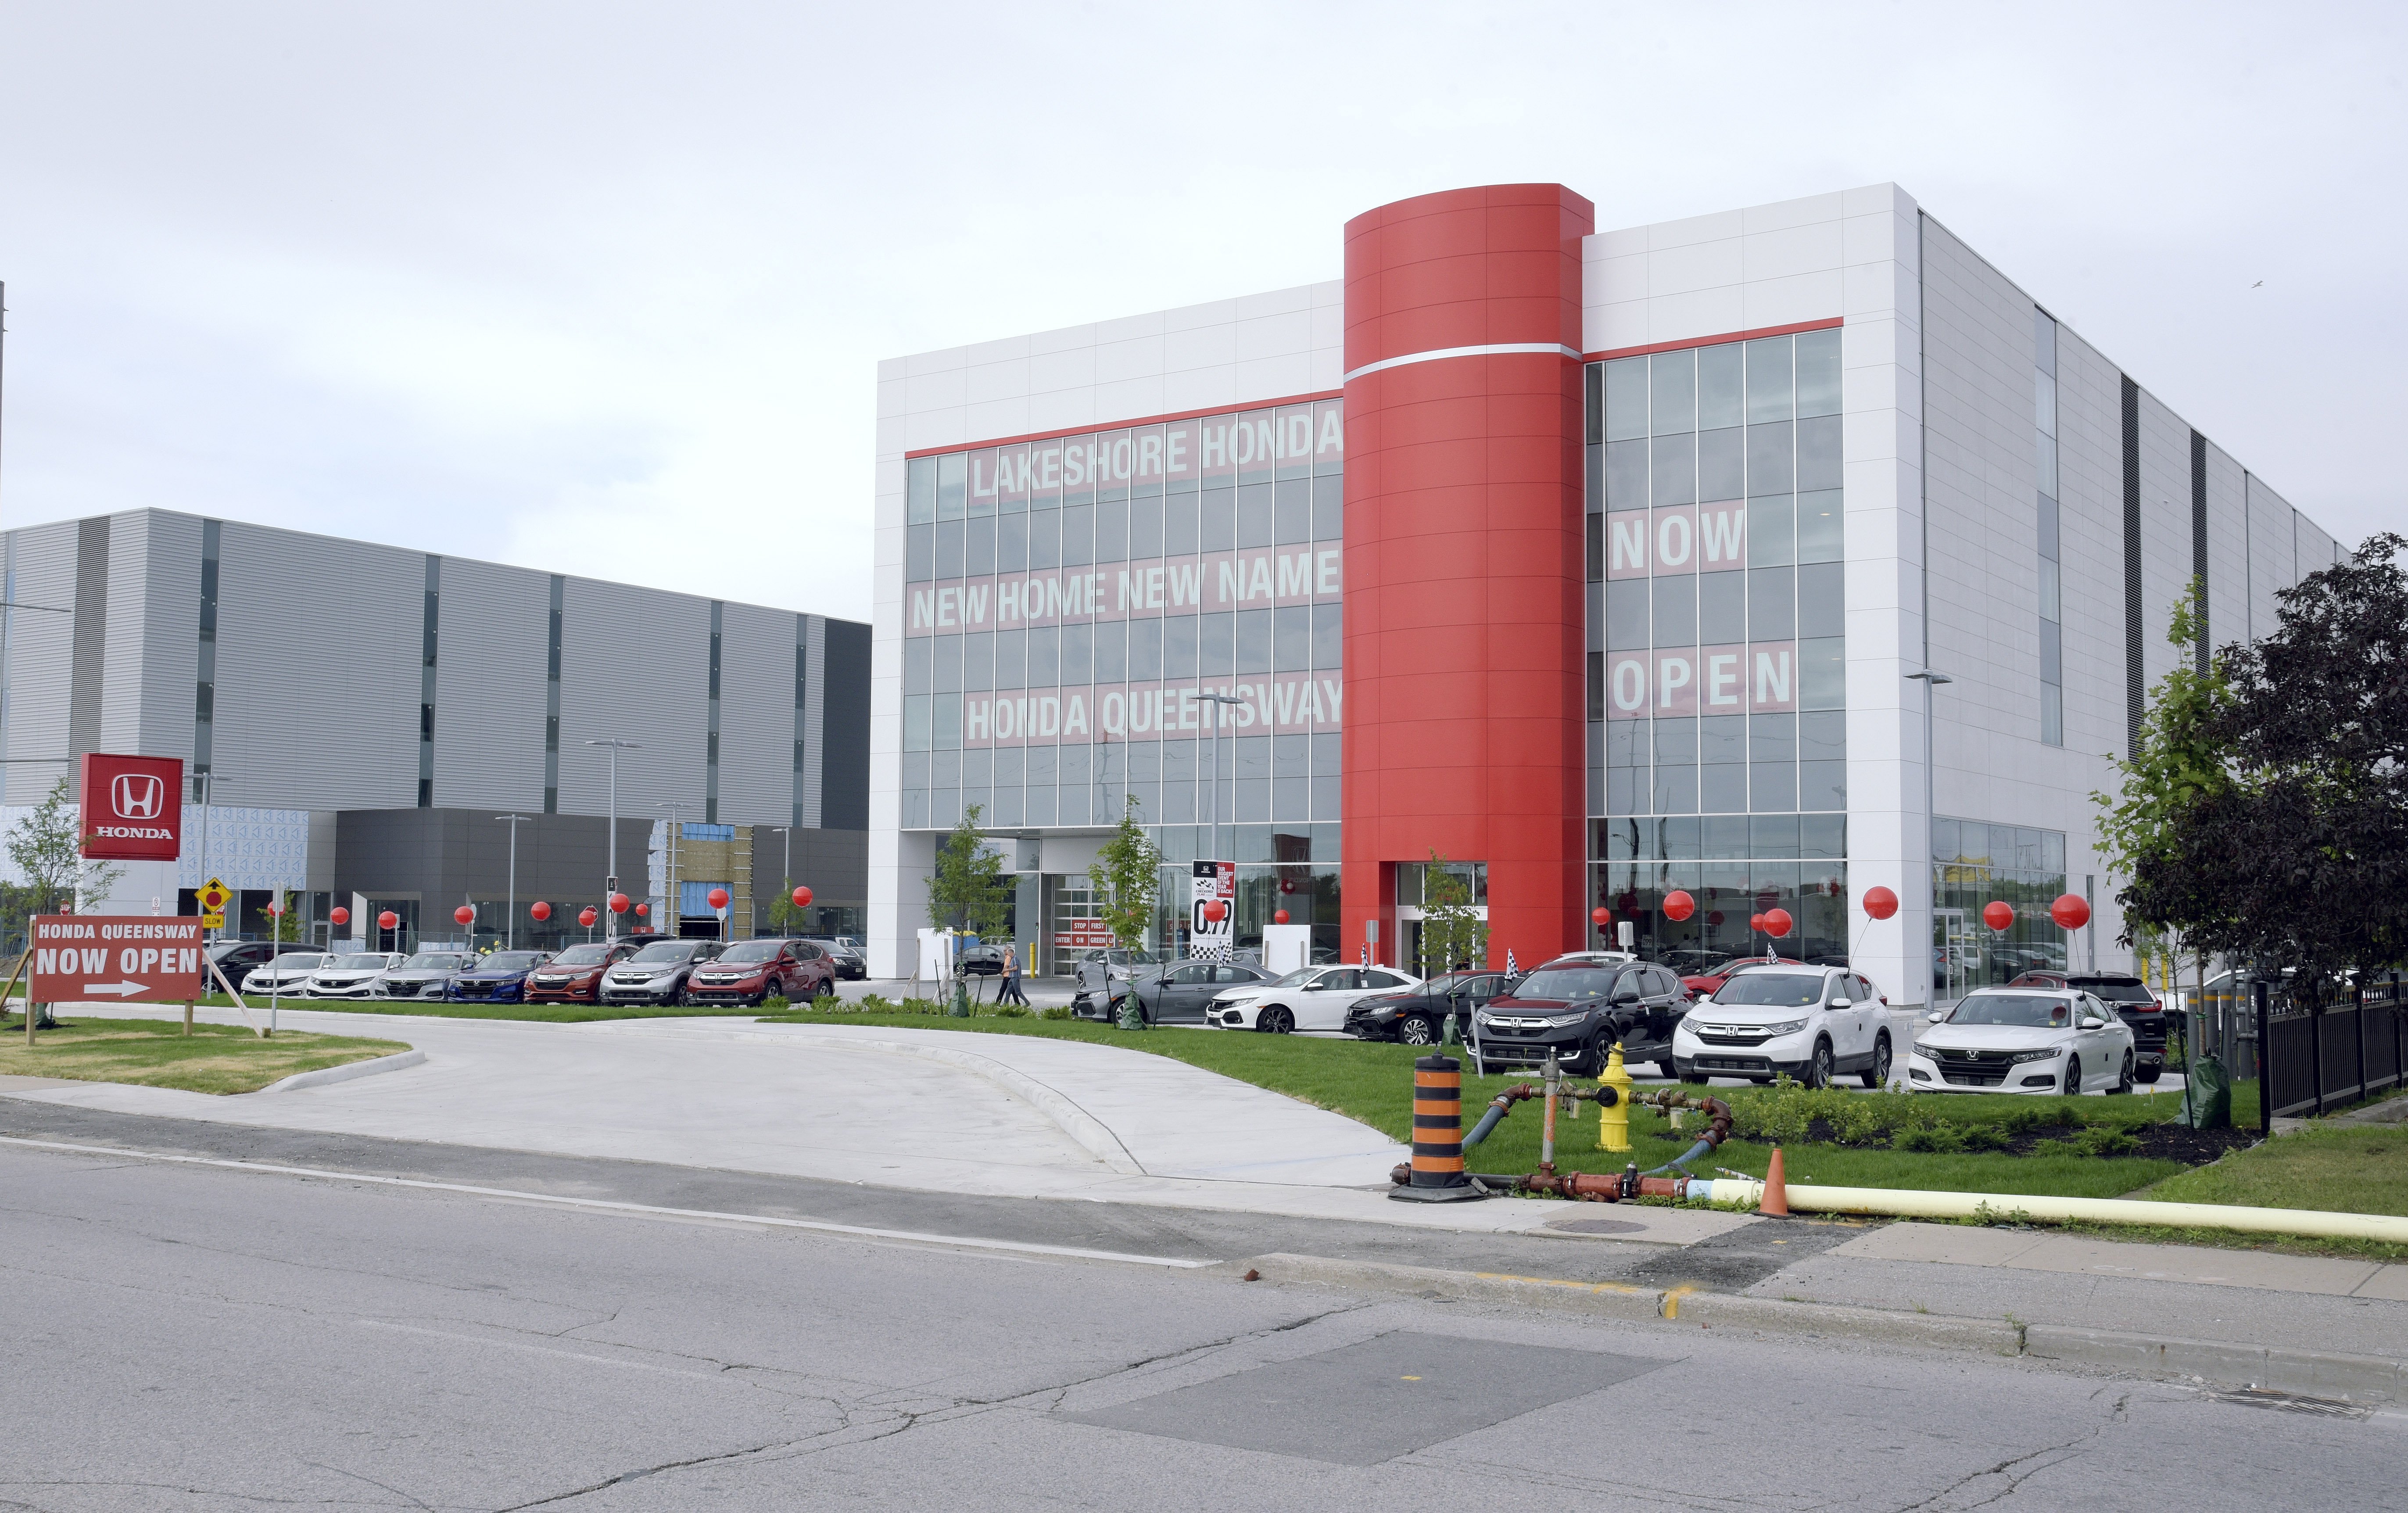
[(195, 1337)]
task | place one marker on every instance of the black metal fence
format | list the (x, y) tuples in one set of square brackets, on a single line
[(2316, 1057)]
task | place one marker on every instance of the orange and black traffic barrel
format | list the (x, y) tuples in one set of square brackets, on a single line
[(1437, 1174)]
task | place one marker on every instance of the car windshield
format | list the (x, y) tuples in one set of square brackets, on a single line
[(297, 961), (2030, 1011), (1772, 989), (510, 962), (1570, 984), (751, 951), (1298, 978), (667, 951), (583, 956), (358, 963), (432, 961)]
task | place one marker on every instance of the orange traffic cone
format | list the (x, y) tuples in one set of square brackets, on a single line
[(1776, 1187)]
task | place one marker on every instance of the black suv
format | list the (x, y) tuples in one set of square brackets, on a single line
[(2133, 1003), (1416, 1015), (1579, 1007)]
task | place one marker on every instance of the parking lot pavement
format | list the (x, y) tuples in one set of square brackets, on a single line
[(1002, 1115)]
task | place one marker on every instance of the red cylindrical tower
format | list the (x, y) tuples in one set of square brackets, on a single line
[(1464, 721)]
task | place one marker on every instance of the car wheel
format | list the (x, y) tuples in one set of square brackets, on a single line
[(1818, 1071), (1275, 1021), (2123, 1077), (2073, 1074), (1877, 1074), (1416, 1030)]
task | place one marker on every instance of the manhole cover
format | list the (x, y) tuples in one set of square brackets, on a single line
[(1595, 1226)]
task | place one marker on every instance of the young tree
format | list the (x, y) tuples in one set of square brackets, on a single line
[(1127, 876), (966, 888), (46, 846), (1452, 932)]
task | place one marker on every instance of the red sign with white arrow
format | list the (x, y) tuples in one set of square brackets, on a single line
[(128, 959)]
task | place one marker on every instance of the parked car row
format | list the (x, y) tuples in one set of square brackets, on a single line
[(641, 968)]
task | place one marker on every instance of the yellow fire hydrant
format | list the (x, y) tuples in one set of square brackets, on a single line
[(1613, 1118)]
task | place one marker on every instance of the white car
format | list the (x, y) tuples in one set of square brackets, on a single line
[(1814, 1023), (1311, 998), (285, 976), (354, 974), (2023, 1039)]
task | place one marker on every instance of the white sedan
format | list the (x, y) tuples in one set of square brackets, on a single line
[(1311, 998), (354, 974), (2019, 1040), (285, 975)]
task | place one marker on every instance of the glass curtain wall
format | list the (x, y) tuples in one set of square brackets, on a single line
[(1716, 645), (1974, 865)]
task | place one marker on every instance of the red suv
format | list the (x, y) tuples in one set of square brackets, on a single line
[(575, 975), (751, 971)]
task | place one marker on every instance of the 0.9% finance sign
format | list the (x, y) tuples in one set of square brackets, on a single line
[(114, 957)]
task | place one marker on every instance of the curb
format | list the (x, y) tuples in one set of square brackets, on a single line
[(2315, 1372), (345, 1072)]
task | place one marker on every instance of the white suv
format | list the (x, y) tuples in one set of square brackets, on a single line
[(1814, 1023)]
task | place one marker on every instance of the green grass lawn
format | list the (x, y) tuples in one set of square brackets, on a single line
[(2347, 1169), (157, 1053), (1374, 1082)]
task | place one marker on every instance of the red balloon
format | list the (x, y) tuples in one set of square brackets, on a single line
[(802, 898), (2070, 911), (274, 908), (1756, 922), (1287, 885), (1216, 910), (643, 909), (618, 903), (1998, 914), (464, 914), (586, 916), (340, 915), (388, 919), (540, 909), (719, 897), (1601, 916), (1777, 923), (1279, 917), (1678, 905), (1880, 902)]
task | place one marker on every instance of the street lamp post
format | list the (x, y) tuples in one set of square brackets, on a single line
[(673, 904), (511, 915), (1225, 700), (1931, 681), (785, 874), (610, 884)]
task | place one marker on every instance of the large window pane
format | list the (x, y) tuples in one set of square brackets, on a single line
[(920, 491), (1078, 653), (948, 676), (1822, 600), (1823, 673), (1772, 603), (1674, 469), (1145, 651), (1818, 453), (949, 549), (1178, 648), (1673, 382), (1720, 401), (1625, 399), (1626, 474), (919, 553), (1722, 472), (1769, 458), (1676, 611), (1626, 613), (1769, 393), (1821, 532), (1818, 372), (1328, 637), (1721, 608), (1771, 529), (1254, 640), (1292, 639), (918, 653), (1045, 656)]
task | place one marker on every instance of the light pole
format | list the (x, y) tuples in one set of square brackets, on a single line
[(786, 873), (1217, 699), (610, 884), (1932, 682), (510, 917), (672, 905)]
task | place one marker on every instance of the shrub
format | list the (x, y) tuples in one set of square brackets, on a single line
[(1936, 1139), (827, 1003), (874, 1004), (2101, 1140), (1010, 1010), (1983, 1137), (1059, 1011), (776, 1003)]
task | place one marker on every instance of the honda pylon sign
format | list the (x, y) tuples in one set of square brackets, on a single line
[(133, 807), (122, 958)]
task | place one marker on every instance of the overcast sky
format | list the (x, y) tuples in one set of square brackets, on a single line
[(600, 288)]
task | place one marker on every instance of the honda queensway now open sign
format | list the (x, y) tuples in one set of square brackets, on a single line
[(133, 807), (125, 959)]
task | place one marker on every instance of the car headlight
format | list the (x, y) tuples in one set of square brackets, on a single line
[(1563, 1021), (2050, 1054), (1923, 1050), (1787, 1028)]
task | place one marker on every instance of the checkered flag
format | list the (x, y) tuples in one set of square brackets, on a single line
[(1510, 969), (1367, 952)]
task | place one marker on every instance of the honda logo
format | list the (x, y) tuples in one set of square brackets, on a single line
[(137, 796)]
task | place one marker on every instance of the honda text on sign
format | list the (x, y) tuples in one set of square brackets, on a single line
[(133, 807)]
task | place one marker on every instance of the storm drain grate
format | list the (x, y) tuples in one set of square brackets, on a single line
[(2322, 1407)]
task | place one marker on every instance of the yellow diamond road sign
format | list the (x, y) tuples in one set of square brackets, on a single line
[(213, 899)]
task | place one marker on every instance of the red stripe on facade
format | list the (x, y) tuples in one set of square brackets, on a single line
[(1099, 426), (1716, 340)]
